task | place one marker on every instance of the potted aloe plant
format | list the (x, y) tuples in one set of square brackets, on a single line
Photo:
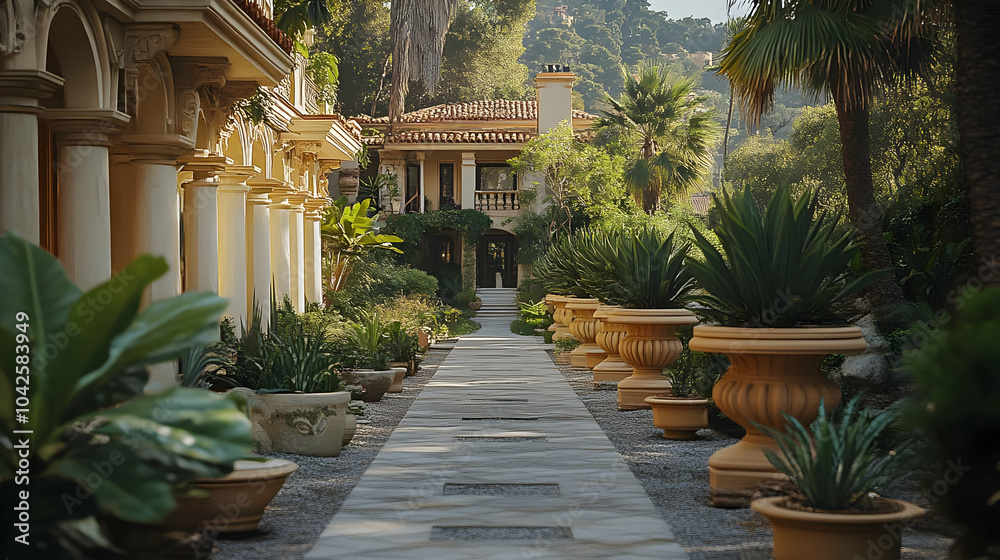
[(646, 277), (106, 451), (366, 340), (778, 292), (835, 466), (402, 348)]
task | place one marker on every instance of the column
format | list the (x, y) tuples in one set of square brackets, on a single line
[(281, 263), (233, 271), (468, 180), (313, 250), (201, 222), (423, 197), (84, 203), (296, 240), (20, 91), (258, 236), (157, 220)]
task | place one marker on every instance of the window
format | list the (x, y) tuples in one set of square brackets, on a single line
[(495, 177), (447, 184), (412, 202)]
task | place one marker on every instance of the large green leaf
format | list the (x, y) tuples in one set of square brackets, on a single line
[(157, 441)]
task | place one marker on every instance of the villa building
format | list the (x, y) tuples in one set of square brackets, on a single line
[(122, 135), (455, 156)]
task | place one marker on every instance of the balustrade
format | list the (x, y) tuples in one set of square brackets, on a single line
[(497, 200)]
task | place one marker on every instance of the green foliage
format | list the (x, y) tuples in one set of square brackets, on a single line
[(784, 268), (956, 407), (401, 345), (836, 462), (375, 281), (367, 341), (324, 72), (412, 227), (86, 403), (567, 344), (523, 328), (349, 235), (642, 269), (694, 374), (464, 298), (295, 17), (257, 108), (674, 132), (358, 35)]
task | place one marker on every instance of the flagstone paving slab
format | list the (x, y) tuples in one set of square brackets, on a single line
[(600, 511)]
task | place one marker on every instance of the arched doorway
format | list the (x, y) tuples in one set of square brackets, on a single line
[(496, 259)]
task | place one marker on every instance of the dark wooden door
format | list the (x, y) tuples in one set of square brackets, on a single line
[(497, 253)]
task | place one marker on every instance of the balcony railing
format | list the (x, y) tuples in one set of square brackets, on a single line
[(310, 97), (260, 12), (497, 200)]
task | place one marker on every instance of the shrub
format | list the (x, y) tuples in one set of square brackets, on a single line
[(523, 328), (464, 298)]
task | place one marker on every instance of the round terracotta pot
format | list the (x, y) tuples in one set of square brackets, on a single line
[(771, 371), (397, 380), (375, 382), (609, 337), (301, 423), (250, 487), (350, 427), (562, 316), (650, 345), (834, 535), (679, 418), (584, 328)]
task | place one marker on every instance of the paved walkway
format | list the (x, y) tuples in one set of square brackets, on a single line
[(497, 459)]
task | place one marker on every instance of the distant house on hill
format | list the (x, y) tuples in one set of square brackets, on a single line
[(455, 155)]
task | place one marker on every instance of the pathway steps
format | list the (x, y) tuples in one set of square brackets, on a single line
[(497, 459)]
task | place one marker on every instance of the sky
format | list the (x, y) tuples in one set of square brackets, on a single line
[(714, 10)]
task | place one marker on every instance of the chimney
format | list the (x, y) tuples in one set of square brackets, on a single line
[(555, 96)]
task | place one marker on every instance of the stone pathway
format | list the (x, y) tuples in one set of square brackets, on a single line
[(498, 459)]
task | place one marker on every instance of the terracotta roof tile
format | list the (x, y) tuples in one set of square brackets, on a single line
[(485, 110), (453, 137)]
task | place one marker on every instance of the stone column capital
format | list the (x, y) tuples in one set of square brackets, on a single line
[(163, 149), (21, 89), (203, 165), (234, 177), (85, 127)]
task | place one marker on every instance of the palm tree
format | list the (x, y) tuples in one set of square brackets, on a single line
[(417, 29), (978, 116), (850, 50), (663, 116)]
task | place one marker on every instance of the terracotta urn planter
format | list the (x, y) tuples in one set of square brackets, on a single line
[(561, 357), (397, 379), (563, 317), (650, 345), (375, 382), (771, 371), (301, 423), (550, 308), (584, 329), (836, 535), (679, 418), (350, 427), (609, 337)]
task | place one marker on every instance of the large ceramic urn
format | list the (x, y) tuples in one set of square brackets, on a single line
[(563, 317), (771, 371), (301, 423), (609, 337), (650, 344), (584, 328)]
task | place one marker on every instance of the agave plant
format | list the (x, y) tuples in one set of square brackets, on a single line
[(642, 269), (401, 345), (836, 462), (784, 268), (367, 339), (300, 362)]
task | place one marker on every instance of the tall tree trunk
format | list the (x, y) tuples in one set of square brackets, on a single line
[(863, 210), (977, 74)]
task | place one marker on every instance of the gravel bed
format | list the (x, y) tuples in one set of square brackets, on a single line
[(314, 493), (675, 475)]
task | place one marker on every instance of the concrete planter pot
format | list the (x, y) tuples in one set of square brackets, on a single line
[(771, 371), (350, 428), (250, 487), (836, 535), (375, 382), (609, 338), (679, 418), (650, 345), (301, 423), (397, 379), (584, 328)]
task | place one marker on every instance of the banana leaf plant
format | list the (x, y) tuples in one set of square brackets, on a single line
[(349, 234), (91, 443)]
